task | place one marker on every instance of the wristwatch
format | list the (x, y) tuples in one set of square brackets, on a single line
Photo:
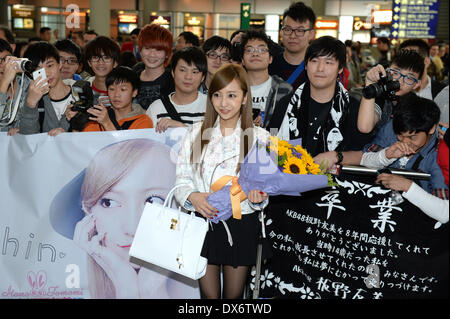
[(340, 157)]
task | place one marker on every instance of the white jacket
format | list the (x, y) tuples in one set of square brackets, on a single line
[(220, 157)]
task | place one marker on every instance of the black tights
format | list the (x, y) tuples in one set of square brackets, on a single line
[(233, 282)]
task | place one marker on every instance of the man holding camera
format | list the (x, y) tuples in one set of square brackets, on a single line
[(407, 68)]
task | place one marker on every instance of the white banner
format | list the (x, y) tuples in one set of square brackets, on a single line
[(70, 206)]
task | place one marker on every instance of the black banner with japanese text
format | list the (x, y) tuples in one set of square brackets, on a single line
[(353, 242)]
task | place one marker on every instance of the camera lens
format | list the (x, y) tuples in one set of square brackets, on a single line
[(25, 65), (372, 91)]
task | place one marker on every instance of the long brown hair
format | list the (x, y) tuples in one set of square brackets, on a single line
[(226, 74)]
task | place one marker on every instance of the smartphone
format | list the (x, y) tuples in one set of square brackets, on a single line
[(40, 73)]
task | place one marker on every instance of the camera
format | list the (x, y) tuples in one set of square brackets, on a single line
[(24, 64), (84, 100), (385, 86)]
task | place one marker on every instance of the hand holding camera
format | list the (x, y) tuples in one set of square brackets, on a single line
[(12, 67), (380, 83), (70, 113), (373, 75)]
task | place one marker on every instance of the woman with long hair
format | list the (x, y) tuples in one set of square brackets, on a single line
[(211, 149)]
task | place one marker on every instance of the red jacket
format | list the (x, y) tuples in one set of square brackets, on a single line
[(443, 159)]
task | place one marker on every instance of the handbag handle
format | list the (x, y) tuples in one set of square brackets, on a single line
[(169, 197)]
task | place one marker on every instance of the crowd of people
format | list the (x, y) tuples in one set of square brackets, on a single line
[(304, 87)]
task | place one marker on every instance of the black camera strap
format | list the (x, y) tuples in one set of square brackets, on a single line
[(125, 126), (171, 109)]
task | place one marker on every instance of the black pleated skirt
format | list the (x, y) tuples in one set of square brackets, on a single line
[(245, 235)]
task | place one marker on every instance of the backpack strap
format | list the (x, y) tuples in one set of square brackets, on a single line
[(171, 109)]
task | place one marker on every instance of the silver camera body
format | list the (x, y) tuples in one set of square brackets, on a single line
[(24, 64)]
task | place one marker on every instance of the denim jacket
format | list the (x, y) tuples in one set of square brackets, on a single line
[(386, 137)]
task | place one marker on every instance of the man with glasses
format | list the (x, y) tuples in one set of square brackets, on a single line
[(70, 55), (266, 90), (407, 67), (218, 52), (296, 33), (428, 88)]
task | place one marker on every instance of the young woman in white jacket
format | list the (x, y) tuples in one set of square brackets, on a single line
[(211, 149)]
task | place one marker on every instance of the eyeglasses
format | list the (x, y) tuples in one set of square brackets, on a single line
[(105, 58), (213, 55), (71, 61), (407, 79), (250, 50), (298, 32)]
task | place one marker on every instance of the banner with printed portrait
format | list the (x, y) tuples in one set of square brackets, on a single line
[(70, 206), (353, 242)]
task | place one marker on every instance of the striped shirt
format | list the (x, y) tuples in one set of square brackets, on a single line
[(189, 113)]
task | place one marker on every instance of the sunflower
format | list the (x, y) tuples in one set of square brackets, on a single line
[(284, 150), (294, 165)]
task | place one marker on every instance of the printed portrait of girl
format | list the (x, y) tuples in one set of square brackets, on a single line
[(117, 184)]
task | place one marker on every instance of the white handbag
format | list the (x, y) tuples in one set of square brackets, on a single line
[(170, 239)]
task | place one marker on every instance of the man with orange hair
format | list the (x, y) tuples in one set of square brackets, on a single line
[(155, 46)]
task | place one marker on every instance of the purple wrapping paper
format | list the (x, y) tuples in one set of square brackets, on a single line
[(259, 171)]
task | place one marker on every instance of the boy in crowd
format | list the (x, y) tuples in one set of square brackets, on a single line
[(45, 33), (102, 56), (321, 112), (297, 32), (122, 85), (266, 90), (49, 96), (155, 45), (407, 67), (186, 105), (186, 39), (409, 141), (428, 88), (218, 52), (70, 55)]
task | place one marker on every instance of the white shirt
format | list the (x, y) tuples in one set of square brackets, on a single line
[(60, 105), (426, 91), (220, 158), (189, 113), (260, 93)]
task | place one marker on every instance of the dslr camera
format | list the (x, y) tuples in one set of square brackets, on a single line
[(385, 86), (24, 64), (84, 100)]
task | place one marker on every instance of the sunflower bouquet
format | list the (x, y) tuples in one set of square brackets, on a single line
[(277, 168)]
